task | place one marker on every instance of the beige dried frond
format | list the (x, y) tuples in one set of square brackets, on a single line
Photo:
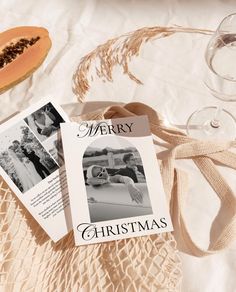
[(119, 51)]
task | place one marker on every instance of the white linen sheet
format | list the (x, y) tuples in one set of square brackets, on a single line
[(171, 69)]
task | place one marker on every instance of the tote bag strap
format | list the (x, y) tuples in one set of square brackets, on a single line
[(205, 155)]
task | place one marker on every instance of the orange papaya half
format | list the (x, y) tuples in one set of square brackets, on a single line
[(22, 50)]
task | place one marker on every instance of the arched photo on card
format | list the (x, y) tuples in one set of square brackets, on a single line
[(115, 180)]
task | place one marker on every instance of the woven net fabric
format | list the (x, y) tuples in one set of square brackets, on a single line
[(30, 261)]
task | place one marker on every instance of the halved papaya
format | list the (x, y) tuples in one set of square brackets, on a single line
[(22, 50)]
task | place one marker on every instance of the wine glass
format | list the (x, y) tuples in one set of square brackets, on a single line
[(214, 122)]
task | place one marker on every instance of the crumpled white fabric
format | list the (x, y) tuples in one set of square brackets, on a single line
[(172, 70)]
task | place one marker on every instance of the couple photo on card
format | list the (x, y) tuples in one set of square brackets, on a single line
[(44, 122), (115, 179)]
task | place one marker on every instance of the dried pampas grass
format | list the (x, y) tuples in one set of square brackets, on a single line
[(119, 51)]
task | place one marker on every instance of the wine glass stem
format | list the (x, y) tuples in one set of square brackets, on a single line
[(215, 122)]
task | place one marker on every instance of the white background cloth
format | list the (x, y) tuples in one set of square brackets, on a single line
[(171, 69)]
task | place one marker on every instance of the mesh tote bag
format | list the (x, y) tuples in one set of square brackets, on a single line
[(30, 261)]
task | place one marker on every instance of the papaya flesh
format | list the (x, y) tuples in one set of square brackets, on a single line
[(22, 50)]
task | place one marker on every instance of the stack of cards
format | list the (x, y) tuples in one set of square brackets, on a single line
[(100, 178)]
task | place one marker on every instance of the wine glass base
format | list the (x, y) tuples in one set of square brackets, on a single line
[(201, 124)]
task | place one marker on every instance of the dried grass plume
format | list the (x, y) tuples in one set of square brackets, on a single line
[(119, 51)]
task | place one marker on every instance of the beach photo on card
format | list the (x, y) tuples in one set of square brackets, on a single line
[(44, 122), (23, 158), (115, 180)]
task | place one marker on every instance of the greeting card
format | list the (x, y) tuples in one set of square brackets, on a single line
[(114, 180)]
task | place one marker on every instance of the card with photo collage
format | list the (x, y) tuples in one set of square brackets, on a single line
[(32, 164)]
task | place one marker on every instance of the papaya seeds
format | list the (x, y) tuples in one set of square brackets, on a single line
[(9, 53)]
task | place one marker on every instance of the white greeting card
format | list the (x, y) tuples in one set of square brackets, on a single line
[(114, 180), (32, 164)]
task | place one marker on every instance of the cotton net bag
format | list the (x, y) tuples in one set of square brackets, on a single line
[(30, 261)]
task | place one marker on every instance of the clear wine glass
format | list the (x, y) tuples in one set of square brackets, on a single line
[(215, 122)]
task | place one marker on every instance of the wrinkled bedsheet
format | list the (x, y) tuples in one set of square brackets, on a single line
[(172, 71)]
